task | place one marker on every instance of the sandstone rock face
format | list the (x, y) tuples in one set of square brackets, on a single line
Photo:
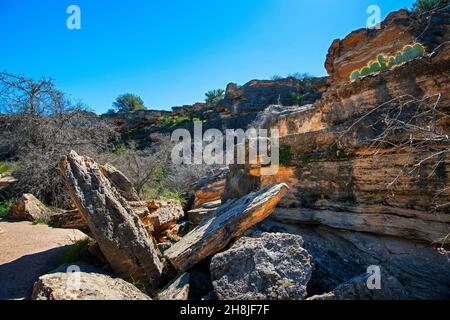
[(357, 289), (399, 29), (29, 208), (227, 223), (269, 267), (354, 192), (114, 225), (93, 285)]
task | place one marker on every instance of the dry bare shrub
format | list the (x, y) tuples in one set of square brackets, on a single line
[(41, 125), (420, 129)]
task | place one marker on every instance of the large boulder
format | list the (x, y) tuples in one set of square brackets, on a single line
[(85, 283), (228, 222), (271, 266), (29, 208), (120, 234)]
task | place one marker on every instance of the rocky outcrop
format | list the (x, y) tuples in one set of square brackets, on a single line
[(120, 234), (357, 289), (84, 283), (399, 29), (29, 208), (227, 223), (269, 266), (350, 186), (257, 95)]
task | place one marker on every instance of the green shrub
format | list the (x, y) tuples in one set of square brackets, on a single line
[(355, 75), (334, 152), (5, 168), (365, 71), (375, 67), (306, 158), (421, 6), (172, 195), (408, 53), (77, 251), (391, 62), (418, 50), (5, 206), (214, 96), (40, 221), (382, 61), (128, 102), (119, 149), (285, 156)]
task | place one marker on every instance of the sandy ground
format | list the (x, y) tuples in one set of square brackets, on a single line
[(28, 251)]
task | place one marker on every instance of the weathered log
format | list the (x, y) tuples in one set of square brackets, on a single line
[(227, 223), (119, 232)]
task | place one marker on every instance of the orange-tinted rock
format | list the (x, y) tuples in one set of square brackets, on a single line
[(399, 29), (229, 222), (29, 208)]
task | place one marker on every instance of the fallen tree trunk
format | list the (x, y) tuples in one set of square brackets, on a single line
[(120, 234), (227, 223)]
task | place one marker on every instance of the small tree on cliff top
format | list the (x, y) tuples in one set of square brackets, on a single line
[(128, 102), (214, 96), (427, 5)]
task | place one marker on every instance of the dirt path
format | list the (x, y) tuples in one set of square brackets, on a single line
[(28, 251)]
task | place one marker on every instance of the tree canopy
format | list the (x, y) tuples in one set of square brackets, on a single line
[(128, 102)]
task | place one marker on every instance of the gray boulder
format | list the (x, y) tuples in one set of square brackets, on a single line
[(271, 266), (85, 283), (120, 234)]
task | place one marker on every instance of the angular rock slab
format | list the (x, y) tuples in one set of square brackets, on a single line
[(230, 221), (87, 283), (271, 266), (120, 234), (177, 289), (29, 208)]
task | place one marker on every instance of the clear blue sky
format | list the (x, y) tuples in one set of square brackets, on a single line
[(171, 51)]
